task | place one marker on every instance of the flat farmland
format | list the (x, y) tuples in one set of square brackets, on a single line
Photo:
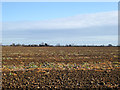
[(60, 67)]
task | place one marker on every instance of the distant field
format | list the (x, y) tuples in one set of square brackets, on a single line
[(71, 67)]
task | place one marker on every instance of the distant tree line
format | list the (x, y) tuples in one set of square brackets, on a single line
[(31, 45), (58, 45)]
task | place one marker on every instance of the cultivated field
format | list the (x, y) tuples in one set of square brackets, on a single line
[(60, 67)]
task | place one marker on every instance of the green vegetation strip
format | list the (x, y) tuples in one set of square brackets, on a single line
[(85, 66)]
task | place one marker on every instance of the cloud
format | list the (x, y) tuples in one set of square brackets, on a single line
[(95, 28), (81, 21)]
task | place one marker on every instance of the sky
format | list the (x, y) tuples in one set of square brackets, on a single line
[(79, 23)]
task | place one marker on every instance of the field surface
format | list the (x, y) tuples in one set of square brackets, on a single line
[(60, 67)]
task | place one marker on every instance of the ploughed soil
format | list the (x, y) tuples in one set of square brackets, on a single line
[(60, 67)]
